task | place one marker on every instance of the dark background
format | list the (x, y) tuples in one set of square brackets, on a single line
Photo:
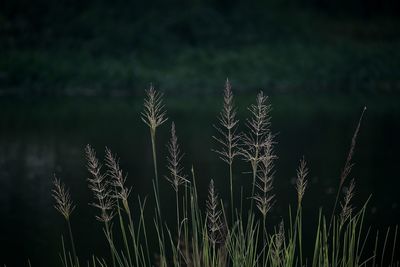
[(74, 72), (92, 47)]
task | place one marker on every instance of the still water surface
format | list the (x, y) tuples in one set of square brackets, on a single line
[(41, 137)]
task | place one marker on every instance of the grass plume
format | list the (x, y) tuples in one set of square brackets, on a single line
[(214, 216), (346, 206), (258, 130), (61, 195), (347, 166), (228, 137), (154, 115), (264, 198), (65, 206), (102, 193), (301, 181), (176, 176)]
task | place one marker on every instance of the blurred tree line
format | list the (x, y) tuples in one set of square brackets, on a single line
[(90, 43), (192, 21)]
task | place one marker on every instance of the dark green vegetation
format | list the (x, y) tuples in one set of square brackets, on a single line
[(119, 47)]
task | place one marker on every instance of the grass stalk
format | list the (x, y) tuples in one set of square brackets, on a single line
[(71, 237)]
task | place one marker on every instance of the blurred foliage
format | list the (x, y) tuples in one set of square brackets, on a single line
[(118, 47)]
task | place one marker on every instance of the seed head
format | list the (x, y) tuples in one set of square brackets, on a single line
[(117, 179), (214, 222), (264, 197), (258, 126), (347, 209), (63, 199), (100, 187), (154, 113), (176, 177), (301, 182), (227, 128)]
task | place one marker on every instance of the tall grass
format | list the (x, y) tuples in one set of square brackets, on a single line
[(208, 238)]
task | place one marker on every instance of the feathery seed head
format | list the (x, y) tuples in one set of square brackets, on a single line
[(264, 197), (176, 177), (280, 237), (349, 164), (258, 126), (100, 187), (63, 199), (117, 179), (279, 240), (347, 209), (301, 181), (214, 222), (227, 128), (154, 113)]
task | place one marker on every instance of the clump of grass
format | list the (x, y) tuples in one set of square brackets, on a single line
[(208, 239)]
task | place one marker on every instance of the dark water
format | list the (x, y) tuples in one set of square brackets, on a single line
[(46, 136)]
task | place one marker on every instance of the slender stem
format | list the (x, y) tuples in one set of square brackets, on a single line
[(231, 184), (300, 234), (254, 166), (177, 225), (159, 228), (110, 238), (177, 211), (144, 230), (72, 243), (254, 169), (334, 208), (264, 233), (153, 146), (132, 232)]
